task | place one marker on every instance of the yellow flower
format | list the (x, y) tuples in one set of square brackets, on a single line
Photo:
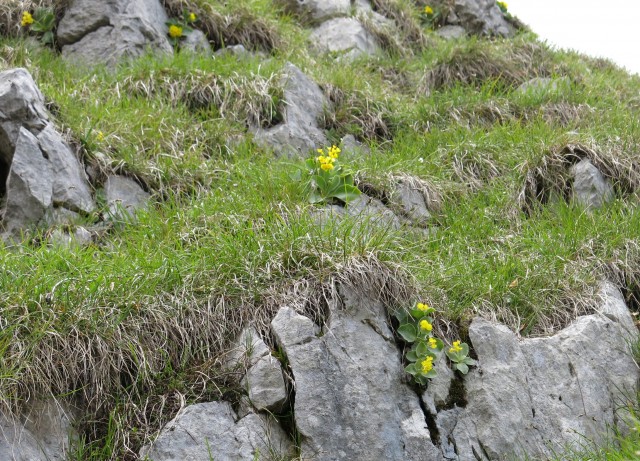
[(175, 31), (425, 325), (428, 10), (100, 136), (433, 343), (334, 152), (427, 364), (27, 19), (192, 17), (327, 166), (456, 347), (502, 6), (422, 307)]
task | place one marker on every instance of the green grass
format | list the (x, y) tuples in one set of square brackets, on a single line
[(230, 235)]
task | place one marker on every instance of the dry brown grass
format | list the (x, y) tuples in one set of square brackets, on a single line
[(403, 14), (551, 178), (241, 27), (355, 112), (477, 63)]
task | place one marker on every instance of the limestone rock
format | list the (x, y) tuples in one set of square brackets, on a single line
[(41, 434), (538, 395), (411, 201), (451, 32), (196, 42), (590, 188), (482, 17), (349, 143), (346, 36), (304, 104), (543, 85), (351, 402), (212, 429), (103, 32), (318, 10), (124, 197)]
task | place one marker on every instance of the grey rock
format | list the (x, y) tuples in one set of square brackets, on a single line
[(104, 32), (538, 395), (247, 349), (349, 143), (78, 238), (265, 385), (204, 430), (590, 188), (544, 85), (351, 402), (70, 185), (124, 197), (196, 42), (345, 36), (299, 133), (438, 388), (482, 17), (411, 201), (29, 186), (43, 433), (451, 32), (21, 105), (372, 211), (318, 10)]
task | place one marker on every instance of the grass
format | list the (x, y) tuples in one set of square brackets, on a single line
[(139, 322)]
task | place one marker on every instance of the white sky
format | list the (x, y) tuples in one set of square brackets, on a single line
[(606, 28)]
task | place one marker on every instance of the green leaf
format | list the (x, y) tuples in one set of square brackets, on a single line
[(422, 349), (411, 356), (463, 368), (408, 332), (465, 349), (420, 379), (411, 369), (47, 38), (431, 374), (417, 313), (296, 176), (469, 361), (315, 197), (401, 315)]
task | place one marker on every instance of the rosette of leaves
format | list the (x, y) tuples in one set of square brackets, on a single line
[(43, 23), (426, 348), (459, 356)]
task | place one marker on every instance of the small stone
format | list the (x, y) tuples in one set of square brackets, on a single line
[(481, 17), (412, 202), (346, 36), (451, 32), (124, 197), (265, 385), (196, 42), (291, 328), (590, 188)]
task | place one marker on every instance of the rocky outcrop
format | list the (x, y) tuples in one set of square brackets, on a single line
[(104, 32), (214, 431), (41, 434), (346, 37), (590, 188), (42, 177), (481, 17), (299, 134)]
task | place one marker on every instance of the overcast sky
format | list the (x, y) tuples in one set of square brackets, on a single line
[(607, 28)]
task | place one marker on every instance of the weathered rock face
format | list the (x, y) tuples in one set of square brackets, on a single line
[(590, 188), (124, 196), (351, 402), (537, 395), (481, 17), (105, 31), (43, 434), (39, 173), (213, 431), (318, 10), (346, 36), (299, 133)]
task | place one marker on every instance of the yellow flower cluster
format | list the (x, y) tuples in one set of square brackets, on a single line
[(422, 307), (175, 31), (425, 325), (328, 160), (192, 17), (427, 364), (27, 19), (433, 343), (456, 347), (428, 10), (502, 5)]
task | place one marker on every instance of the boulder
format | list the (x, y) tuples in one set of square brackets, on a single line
[(316, 11), (351, 399), (42, 433), (590, 188), (481, 17), (124, 197), (41, 177), (299, 134), (104, 32), (344, 36), (213, 431), (538, 396), (196, 42), (411, 201)]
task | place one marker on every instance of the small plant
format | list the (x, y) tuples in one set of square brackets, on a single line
[(416, 327), (41, 23), (430, 17), (502, 6), (327, 179), (178, 29)]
